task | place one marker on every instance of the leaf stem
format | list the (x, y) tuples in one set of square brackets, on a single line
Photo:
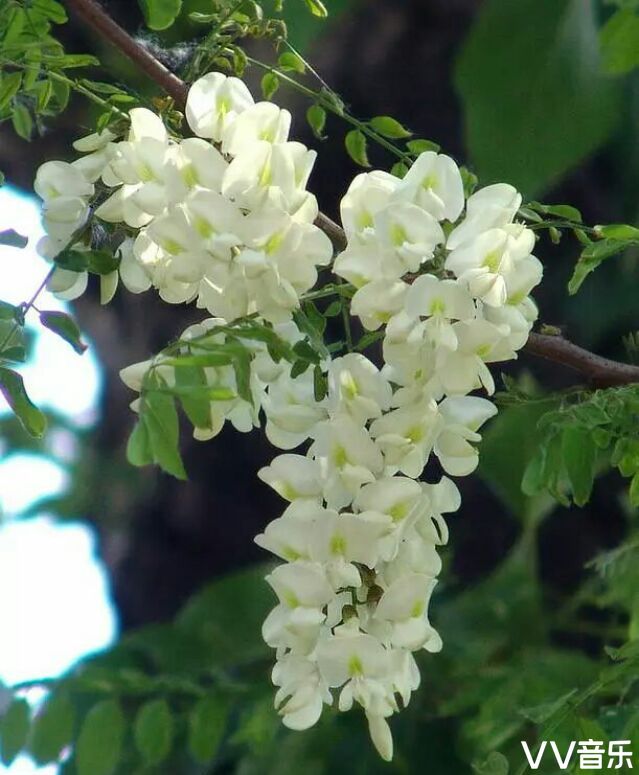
[(321, 98)]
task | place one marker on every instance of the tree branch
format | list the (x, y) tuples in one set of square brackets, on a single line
[(95, 17), (601, 372)]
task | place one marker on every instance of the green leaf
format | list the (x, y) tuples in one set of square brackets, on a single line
[(138, 448), (619, 231), (13, 390), (242, 368), (333, 309), (160, 14), (299, 367), (7, 311), (634, 491), (12, 239), (288, 61), (619, 42), (101, 262), (65, 327), (270, 84), (317, 8), (51, 9), (194, 399), (220, 357), (207, 723), (495, 764), (320, 384), (69, 61), (9, 87), (509, 444), (579, 455), (73, 260), (304, 350), (421, 146), (15, 24), (22, 121), (399, 169), (554, 106), (590, 259), (161, 421), (387, 126), (14, 729), (469, 180), (153, 731), (316, 117), (52, 729), (100, 741), (539, 714), (355, 142), (561, 211)]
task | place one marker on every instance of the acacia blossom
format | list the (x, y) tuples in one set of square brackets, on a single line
[(224, 220)]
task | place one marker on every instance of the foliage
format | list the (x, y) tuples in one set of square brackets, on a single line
[(553, 71)]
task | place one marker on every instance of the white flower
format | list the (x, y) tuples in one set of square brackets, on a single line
[(462, 370), (364, 264), (68, 285), (357, 386), (440, 301), (356, 658), (196, 164), (484, 262), (463, 416), (214, 102), (407, 233), (348, 457), (132, 272), (293, 477), (368, 193), (395, 496), (263, 121), (289, 536), (376, 303), (56, 179), (406, 436), (265, 174), (339, 540), (381, 736), (303, 590), (435, 184), (491, 207), (302, 691), (291, 410), (404, 606)]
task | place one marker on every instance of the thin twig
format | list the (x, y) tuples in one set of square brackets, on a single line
[(25, 308)]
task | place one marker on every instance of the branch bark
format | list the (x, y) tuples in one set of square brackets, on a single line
[(97, 19), (600, 372)]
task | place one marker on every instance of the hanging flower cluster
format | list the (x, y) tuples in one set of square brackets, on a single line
[(360, 534), (224, 219)]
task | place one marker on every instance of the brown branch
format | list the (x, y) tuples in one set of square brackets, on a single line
[(95, 17), (600, 372)]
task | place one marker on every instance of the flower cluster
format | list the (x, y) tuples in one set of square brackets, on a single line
[(360, 534), (224, 219)]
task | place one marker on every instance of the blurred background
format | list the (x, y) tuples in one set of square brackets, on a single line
[(91, 547)]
